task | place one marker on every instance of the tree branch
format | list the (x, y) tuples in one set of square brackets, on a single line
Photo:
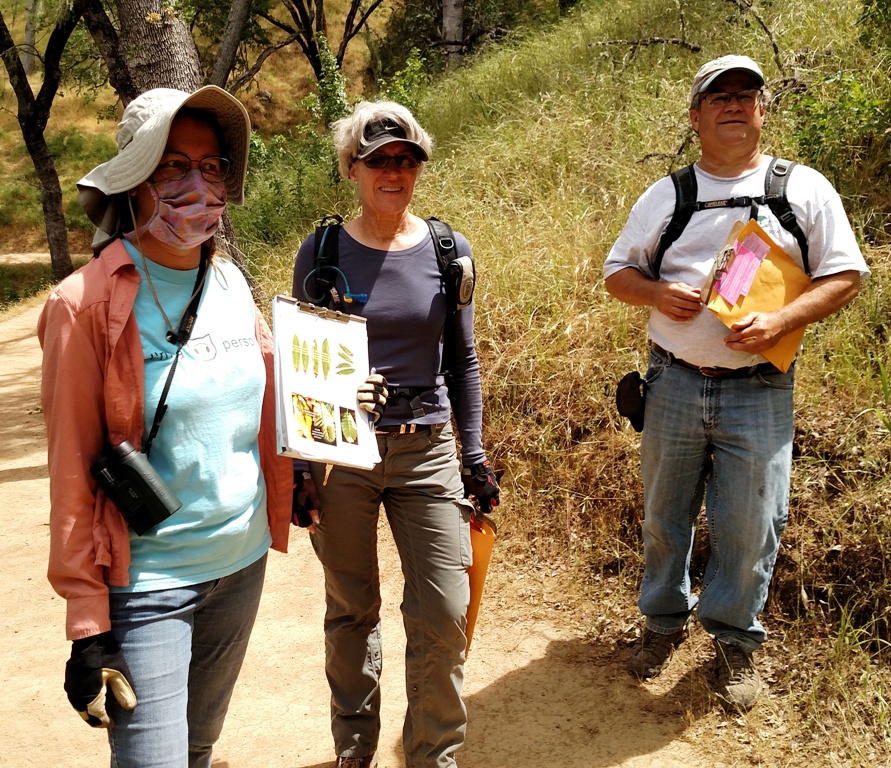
[(695, 47), (349, 32), (242, 81), (239, 11), (276, 23), (747, 7), (108, 43)]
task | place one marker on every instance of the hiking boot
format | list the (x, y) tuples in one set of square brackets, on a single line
[(652, 652), (738, 682), (369, 761)]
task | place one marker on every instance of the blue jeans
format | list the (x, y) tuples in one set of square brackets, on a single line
[(184, 648), (418, 483), (729, 440)]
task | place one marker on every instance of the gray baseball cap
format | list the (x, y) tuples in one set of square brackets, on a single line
[(711, 71)]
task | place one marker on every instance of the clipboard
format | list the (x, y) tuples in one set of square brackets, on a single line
[(777, 282), (321, 358)]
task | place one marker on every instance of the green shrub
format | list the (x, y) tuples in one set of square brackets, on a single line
[(291, 182), (408, 84), (842, 127)]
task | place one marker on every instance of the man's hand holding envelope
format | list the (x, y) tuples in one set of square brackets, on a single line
[(753, 278)]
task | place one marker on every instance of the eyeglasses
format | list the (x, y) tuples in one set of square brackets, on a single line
[(747, 98), (174, 166), (403, 162)]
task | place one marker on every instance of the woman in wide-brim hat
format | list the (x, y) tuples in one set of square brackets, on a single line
[(159, 613)]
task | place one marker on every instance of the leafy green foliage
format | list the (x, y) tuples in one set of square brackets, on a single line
[(875, 23), (408, 83), (333, 102), (291, 182), (841, 127), (83, 69), (417, 24)]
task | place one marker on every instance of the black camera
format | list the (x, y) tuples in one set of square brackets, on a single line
[(134, 486)]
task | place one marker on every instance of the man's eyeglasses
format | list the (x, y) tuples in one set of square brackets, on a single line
[(747, 98), (174, 166), (403, 162)]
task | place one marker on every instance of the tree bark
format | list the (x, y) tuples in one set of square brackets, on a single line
[(33, 115), (453, 31), (159, 48), (239, 12), (29, 49), (108, 42)]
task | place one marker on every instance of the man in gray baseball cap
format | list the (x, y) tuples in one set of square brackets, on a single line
[(717, 421), (712, 70)]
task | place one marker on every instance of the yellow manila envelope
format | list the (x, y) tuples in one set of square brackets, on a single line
[(777, 281)]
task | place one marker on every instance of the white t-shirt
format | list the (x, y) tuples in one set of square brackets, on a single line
[(832, 248)]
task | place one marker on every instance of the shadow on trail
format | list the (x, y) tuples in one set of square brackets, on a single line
[(577, 707)]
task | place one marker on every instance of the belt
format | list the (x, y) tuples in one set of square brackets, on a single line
[(718, 373), (403, 429)]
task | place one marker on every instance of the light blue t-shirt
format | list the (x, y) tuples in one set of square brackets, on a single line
[(207, 446)]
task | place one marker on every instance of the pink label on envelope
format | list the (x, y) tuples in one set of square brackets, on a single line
[(737, 280)]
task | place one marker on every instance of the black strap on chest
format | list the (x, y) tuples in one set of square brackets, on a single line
[(180, 338), (326, 256), (326, 272), (775, 182), (444, 245)]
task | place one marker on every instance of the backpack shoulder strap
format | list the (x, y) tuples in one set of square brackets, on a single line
[(455, 272), (458, 272), (775, 183), (326, 255), (443, 242), (684, 208)]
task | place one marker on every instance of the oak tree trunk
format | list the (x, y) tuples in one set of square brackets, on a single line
[(453, 31)]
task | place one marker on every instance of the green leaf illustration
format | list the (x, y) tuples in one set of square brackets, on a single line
[(326, 359)]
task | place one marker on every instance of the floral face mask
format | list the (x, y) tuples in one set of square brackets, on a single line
[(187, 211)]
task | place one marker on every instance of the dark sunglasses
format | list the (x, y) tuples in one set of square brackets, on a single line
[(403, 162)]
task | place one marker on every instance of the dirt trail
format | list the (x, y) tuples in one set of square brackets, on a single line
[(538, 692)]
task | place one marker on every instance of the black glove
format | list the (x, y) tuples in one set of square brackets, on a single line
[(303, 500), (95, 662), (481, 483), (372, 396)]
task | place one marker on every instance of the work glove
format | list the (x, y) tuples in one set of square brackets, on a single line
[(95, 662), (373, 395), (481, 483), (304, 501)]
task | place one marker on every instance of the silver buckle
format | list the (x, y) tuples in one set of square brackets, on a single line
[(408, 429)]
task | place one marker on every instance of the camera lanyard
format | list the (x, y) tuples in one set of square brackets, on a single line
[(186, 323)]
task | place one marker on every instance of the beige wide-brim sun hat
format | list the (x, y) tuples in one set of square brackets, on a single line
[(142, 137)]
